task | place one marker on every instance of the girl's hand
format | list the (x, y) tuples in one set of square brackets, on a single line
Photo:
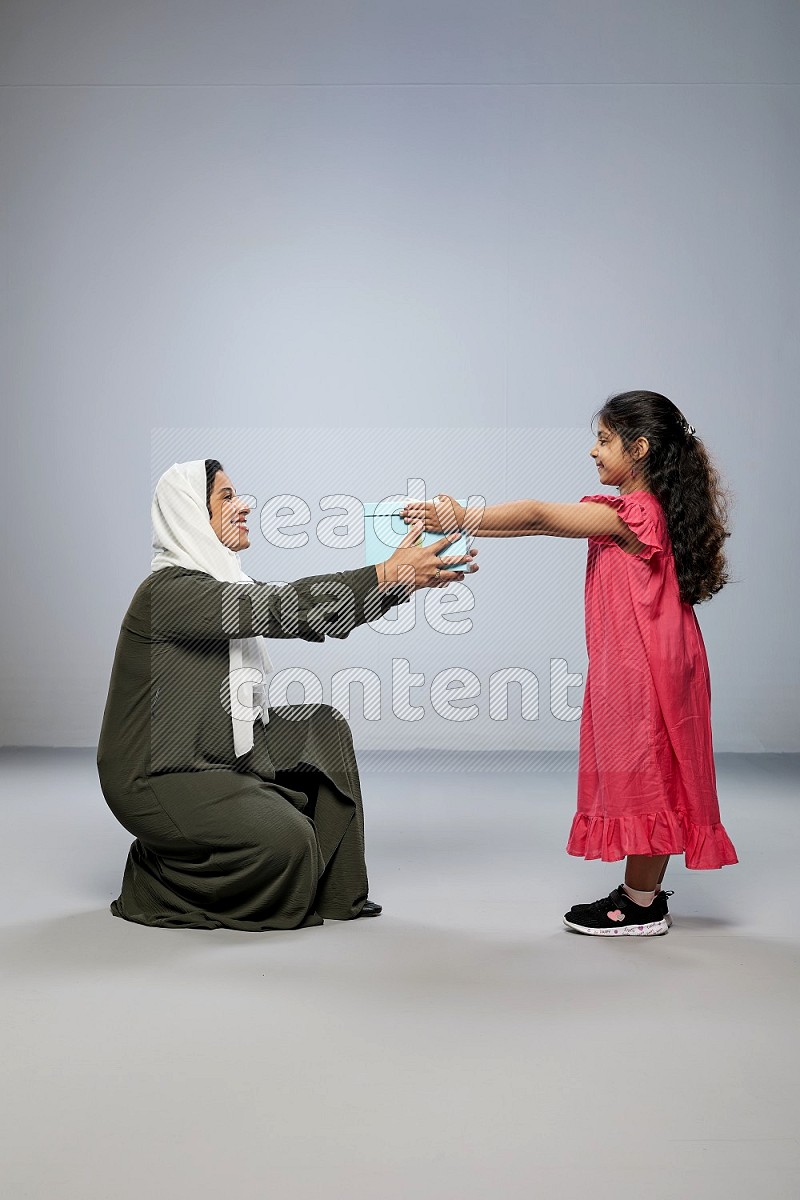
[(441, 514), (421, 566)]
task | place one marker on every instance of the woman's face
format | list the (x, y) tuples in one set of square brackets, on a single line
[(228, 513)]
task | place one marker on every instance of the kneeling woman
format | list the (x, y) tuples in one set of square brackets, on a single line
[(245, 817)]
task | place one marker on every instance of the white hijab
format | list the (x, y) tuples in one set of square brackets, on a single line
[(183, 537)]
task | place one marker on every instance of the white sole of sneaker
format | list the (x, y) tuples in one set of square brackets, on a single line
[(651, 929)]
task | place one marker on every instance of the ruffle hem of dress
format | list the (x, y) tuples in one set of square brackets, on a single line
[(705, 847)]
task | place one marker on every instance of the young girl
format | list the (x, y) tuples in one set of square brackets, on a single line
[(646, 777)]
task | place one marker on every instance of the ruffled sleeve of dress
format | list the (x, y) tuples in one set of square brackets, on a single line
[(638, 515)]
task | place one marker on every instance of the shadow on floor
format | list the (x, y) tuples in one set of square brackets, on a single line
[(388, 961)]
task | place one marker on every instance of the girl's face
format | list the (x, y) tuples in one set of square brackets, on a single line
[(613, 464), (228, 513)]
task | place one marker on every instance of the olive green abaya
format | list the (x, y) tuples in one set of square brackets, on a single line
[(271, 840)]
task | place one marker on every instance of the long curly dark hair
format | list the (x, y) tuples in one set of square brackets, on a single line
[(212, 466), (679, 472)]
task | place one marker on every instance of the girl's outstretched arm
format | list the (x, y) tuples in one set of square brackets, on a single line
[(524, 518), (501, 520), (517, 518)]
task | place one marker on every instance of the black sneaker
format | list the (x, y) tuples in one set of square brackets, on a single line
[(617, 915), (659, 906)]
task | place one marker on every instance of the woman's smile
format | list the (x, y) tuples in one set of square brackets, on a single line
[(223, 501)]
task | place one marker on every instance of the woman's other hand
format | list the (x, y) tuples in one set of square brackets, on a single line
[(422, 566)]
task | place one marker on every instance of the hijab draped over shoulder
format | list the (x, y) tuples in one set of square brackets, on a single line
[(183, 537)]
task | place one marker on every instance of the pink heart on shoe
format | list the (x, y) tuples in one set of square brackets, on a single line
[(616, 915)]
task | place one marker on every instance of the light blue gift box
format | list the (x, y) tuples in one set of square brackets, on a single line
[(384, 530)]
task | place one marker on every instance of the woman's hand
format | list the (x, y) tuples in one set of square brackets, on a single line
[(421, 566), (440, 514)]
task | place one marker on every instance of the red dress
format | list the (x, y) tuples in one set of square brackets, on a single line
[(646, 777)]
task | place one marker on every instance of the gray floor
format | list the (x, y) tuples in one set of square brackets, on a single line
[(462, 1045)]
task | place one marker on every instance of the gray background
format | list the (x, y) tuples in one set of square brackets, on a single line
[(341, 245)]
